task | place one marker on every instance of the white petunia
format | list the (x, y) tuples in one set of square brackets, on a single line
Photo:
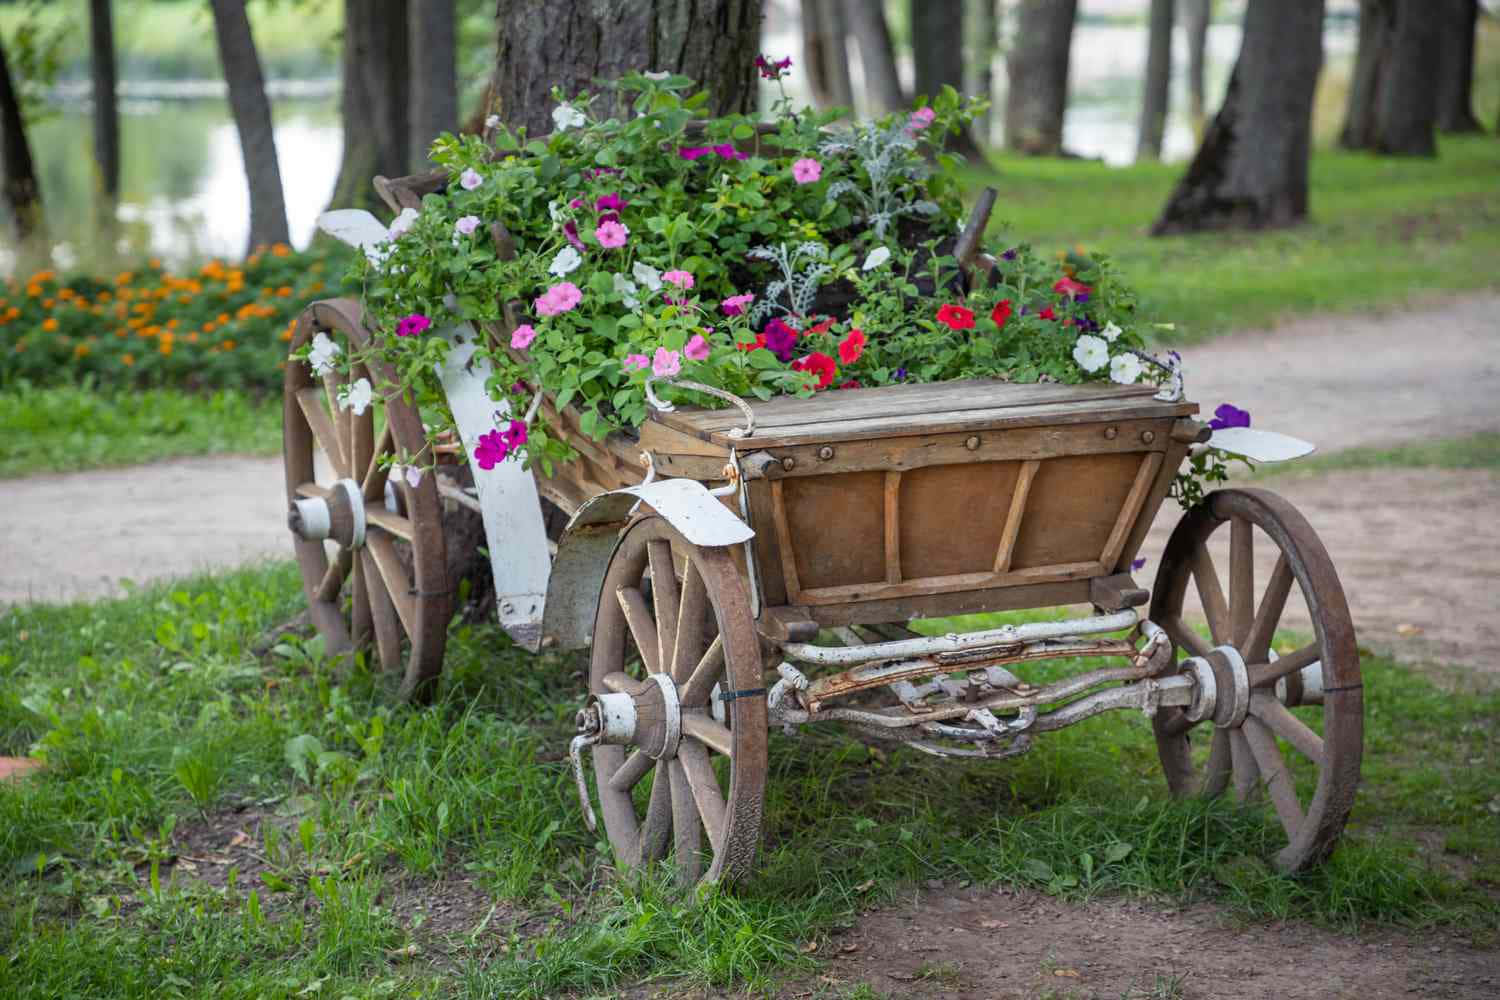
[(401, 223), (565, 116), (413, 476), (492, 122), (875, 258), (627, 291), (659, 75), (1124, 368), (1091, 353), (1110, 331), (647, 275), (323, 351), (566, 262), (356, 397), (555, 209)]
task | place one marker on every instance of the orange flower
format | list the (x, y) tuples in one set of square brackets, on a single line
[(48, 303), (283, 292), (280, 249), (80, 350), (34, 290), (228, 345), (49, 324), (192, 338), (222, 318), (127, 359)]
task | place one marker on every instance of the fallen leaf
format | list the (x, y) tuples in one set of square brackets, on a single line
[(809, 948), (992, 925), (407, 951), (865, 886), (240, 839), (1405, 629), (847, 948), (1065, 973)]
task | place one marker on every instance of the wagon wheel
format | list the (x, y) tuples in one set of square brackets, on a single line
[(702, 804), (1251, 725), (386, 580)]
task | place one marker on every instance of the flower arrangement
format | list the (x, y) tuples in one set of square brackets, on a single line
[(792, 256)]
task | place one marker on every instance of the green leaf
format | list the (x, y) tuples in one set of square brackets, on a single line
[(1038, 869), (743, 131), (299, 750), (1118, 851)]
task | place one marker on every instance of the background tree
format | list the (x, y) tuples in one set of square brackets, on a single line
[(374, 100), (570, 43), (1156, 92), (825, 54), (937, 41), (106, 109), (1037, 69), (433, 100), (1251, 169), (1393, 95), (1196, 15), (18, 184), (252, 119), (1455, 110), (983, 33), (877, 57)]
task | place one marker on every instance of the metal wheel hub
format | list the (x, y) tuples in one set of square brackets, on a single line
[(650, 719), (339, 516), (1221, 687)]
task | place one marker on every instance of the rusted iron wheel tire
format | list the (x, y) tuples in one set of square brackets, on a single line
[(702, 807), (1250, 749), (388, 588)]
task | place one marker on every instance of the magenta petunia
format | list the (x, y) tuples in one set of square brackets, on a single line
[(610, 203), (735, 304), (514, 435), (697, 348), (570, 230), (412, 325), (694, 152), (491, 449)]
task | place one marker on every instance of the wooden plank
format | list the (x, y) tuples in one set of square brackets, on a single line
[(1171, 462), (893, 527), (946, 584), (959, 602), (954, 516), (784, 540), (657, 436), (1013, 517), (767, 545), (1134, 500)]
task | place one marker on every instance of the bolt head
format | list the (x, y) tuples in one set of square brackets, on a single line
[(1110, 433), (825, 453), (789, 463), (972, 443), (1148, 436)]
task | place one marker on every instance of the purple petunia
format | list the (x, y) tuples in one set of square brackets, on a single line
[(1228, 415), (780, 339), (1009, 254), (899, 374), (1136, 564)]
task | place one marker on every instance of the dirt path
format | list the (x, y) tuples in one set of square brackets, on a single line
[(1413, 548)]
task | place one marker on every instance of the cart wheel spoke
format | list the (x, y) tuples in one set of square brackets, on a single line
[(656, 828), (665, 596), (1258, 638), (1220, 765), (687, 829), (688, 651), (642, 628), (1267, 674), (700, 683), (708, 732), (1280, 720), (620, 681), (397, 585), (321, 424), (1184, 636), (372, 486), (1274, 775), (632, 771), (333, 577), (1215, 608), (359, 612), (699, 771), (1246, 773), (1241, 580), (382, 616)]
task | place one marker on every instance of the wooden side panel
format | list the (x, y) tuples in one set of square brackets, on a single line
[(1072, 508), (837, 528), (953, 517)]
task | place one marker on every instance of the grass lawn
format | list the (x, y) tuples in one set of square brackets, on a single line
[(1384, 232), (164, 738), (66, 429)]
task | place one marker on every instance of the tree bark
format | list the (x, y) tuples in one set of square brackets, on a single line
[(1251, 169), (1359, 111), (252, 118), (1455, 111), (825, 54), (866, 22), (937, 40), (1156, 92), (433, 101), (374, 100), (570, 43), (106, 110), (18, 183), (1393, 98), (1196, 15), (1038, 74), (984, 31)]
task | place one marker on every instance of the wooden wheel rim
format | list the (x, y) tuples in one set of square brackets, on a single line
[(1236, 753), (642, 839), (400, 605)]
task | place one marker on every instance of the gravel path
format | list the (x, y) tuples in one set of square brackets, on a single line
[(1414, 548)]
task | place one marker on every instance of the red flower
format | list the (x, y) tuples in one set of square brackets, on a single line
[(818, 364), (1047, 313), (1001, 313), (852, 383), (851, 347), (1067, 286), (822, 327), (760, 342), (955, 317)]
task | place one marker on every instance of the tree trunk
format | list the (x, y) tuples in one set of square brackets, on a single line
[(374, 100), (18, 184), (824, 53), (1393, 98), (1196, 15), (252, 118), (1455, 111), (1158, 82), (984, 30), (570, 43), (1038, 73), (937, 41), (1251, 170), (866, 23), (106, 110), (433, 100)]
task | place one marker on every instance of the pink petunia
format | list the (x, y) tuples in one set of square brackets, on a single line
[(470, 179), (412, 325), (665, 362), (806, 171), (635, 361), (522, 337), (681, 279), (570, 230), (919, 120), (611, 234), (735, 304), (697, 348), (466, 225), (560, 298)]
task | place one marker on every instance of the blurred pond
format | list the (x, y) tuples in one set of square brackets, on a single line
[(184, 195)]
